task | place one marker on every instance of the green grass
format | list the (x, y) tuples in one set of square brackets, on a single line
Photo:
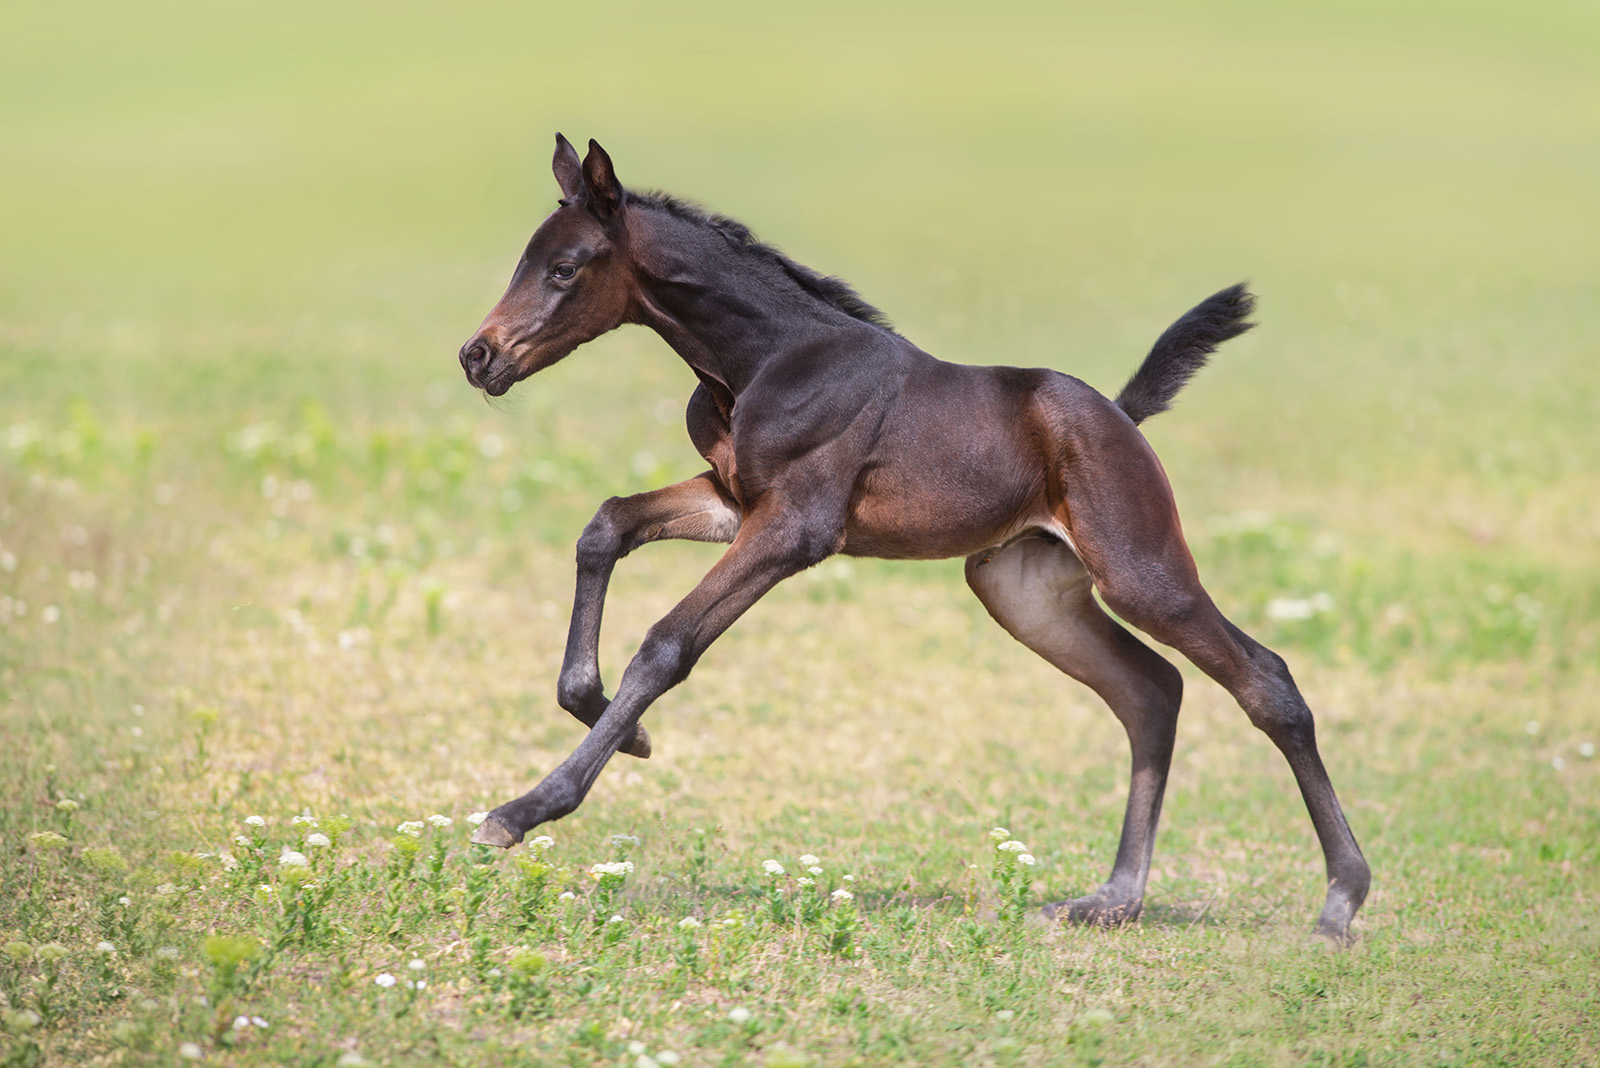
[(263, 553)]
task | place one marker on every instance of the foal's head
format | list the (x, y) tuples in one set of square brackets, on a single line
[(572, 284)]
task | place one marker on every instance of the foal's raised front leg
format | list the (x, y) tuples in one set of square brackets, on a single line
[(771, 546), (699, 509)]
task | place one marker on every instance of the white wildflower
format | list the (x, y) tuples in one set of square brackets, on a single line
[(644, 1060), (999, 834), (254, 821), (1012, 846), (21, 1021), (439, 822), (385, 980), (1025, 859), (567, 895), (241, 841), (241, 1022), (667, 1057), (849, 878), (105, 947), (417, 964), (420, 984), (772, 867), (293, 859), (304, 819), (258, 1021), (809, 860), (543, 841), (410, 828), (1298, 608), (190, 1051), (477, 818), (814, 870), (739, 1015), (1005, 1015), (842, 895), (124, 900), (1586, 749), (317, 838), (805, 881), (616, 919), (616, 867), (636, 1047), (688, 923), (624, 840)]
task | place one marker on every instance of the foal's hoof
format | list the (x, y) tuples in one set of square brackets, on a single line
[(1334, 935), (1094, 911), (640, 745), (491, 832)]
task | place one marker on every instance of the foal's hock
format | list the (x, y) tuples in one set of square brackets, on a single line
[(827, 432)]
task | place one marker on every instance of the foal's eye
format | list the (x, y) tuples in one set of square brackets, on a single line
[(564, 271)]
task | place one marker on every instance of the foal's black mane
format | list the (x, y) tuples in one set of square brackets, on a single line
[(835, 292)]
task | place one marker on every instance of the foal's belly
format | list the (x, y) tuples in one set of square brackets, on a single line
[(932, 513), (957, 467)]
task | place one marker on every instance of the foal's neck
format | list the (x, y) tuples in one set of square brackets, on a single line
[(726, 312)]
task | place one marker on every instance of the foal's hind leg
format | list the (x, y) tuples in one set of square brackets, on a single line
[(698, 509), (1039, 591), (1120, 512), (1260, 681)]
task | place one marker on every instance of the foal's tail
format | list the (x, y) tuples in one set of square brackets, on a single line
[(1183, 349)]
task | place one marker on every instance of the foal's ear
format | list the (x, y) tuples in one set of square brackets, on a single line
[(605, 192), (568, 171)]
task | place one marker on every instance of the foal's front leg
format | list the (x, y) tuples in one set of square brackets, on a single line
[(700, 509), (771, 546)]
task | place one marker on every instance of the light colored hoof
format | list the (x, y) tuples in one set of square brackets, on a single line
[(491, 832), (640, 746)]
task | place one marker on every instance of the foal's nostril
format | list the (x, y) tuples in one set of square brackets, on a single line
[(474, 358)]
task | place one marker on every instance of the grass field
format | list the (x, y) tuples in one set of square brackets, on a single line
[(274, 580)]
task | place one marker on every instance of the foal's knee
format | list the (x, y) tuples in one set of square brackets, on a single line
[(661, 662), (600, 544)]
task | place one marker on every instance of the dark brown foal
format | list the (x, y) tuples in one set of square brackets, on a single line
[(828, 432)]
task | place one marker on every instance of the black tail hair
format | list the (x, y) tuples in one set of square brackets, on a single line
[(1183, 349)]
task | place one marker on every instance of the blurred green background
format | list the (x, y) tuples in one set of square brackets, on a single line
[(225, 216), (216, 210)]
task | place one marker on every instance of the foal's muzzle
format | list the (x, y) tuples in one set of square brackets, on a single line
[(476, 356)]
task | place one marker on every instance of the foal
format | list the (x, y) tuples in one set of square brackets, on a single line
[(827, 432)]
